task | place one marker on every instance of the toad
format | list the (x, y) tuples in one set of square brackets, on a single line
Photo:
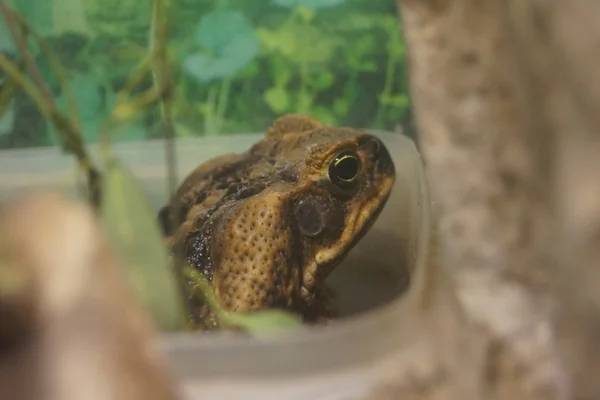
[(266, 227)]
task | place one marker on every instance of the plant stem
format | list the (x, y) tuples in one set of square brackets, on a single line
[(71, 136), (222, 102), (387, 88), (42, 96), (304, 107), (58, 69), (10, 18), (202, 290), (158, 47), (209, 114)]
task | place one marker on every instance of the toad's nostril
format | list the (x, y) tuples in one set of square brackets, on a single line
[(375, 149), (377, 145)]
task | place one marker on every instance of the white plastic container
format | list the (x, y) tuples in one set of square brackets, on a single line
[(341, 361)]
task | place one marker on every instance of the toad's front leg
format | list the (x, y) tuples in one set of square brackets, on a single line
[(321, 310)]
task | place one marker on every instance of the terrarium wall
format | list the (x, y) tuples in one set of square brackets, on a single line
[(236, 65)]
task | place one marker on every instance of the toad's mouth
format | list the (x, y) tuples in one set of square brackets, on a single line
[(357, 225)]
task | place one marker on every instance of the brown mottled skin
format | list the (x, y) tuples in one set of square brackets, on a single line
[(267, 226)]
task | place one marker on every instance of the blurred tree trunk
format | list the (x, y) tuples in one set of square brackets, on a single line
[(507, 106)]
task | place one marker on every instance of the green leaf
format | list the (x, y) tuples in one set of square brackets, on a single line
[(306, 14), (264, 321), (341, 105), (323, 81), (277, 98), (301, 43), (304, 102), (229, 43), (395, 100), (69, 16), (310, 4), (251, 71), (134, 233), (255, 322), (283, 41), (359, 56), (359, 22), (281, 70), (325, 115), (120, 19)]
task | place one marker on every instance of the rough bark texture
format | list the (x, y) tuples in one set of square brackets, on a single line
[(506, 97)]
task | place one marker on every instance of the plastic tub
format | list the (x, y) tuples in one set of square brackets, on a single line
[(341, 361)]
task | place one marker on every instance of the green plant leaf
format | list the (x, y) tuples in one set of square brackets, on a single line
[(322, 81), (324, 115), (359, 22), (304, 102), (278, 99), (135, 235), (229, 45), (255, 322), (281, 70), (359, 56), (300, 43), (341, 105), (69, 17), (118, 18), (249, 72), (264, 321), (395, 100), (306, 14), (282, 40), (310, 4)]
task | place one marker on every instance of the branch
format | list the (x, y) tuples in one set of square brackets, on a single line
[(42, 96), (58, 69), (10, 17), (158, 47)]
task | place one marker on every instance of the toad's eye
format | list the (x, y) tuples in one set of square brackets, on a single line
[(344, 169)]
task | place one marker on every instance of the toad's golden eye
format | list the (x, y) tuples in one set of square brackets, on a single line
[(344, 169)]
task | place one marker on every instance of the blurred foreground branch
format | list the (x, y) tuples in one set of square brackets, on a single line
[(506, 99), (70, 327)]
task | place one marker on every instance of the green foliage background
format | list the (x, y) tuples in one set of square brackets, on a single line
[(237, 64)]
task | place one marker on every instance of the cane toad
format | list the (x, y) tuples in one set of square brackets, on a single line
[(267, 226)]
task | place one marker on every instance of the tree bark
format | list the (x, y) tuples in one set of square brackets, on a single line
[(506, 97)]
